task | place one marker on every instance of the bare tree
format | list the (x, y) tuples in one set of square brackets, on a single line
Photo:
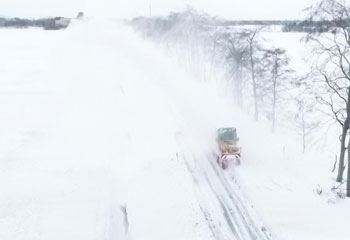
[(277, 66), (253, 46), (332, 68), (306, 123), (235, 50)]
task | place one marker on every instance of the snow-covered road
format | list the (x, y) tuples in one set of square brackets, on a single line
[(102, 137), (230, 217)]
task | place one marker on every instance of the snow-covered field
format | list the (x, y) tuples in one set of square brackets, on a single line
[(91, 123), (103, 137)]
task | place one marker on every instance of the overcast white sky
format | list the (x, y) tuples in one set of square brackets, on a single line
[(234, 9)]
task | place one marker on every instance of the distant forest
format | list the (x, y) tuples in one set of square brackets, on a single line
[(307, 26), (45, 23)]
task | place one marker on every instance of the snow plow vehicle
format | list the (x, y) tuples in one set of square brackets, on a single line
[(229, 150)]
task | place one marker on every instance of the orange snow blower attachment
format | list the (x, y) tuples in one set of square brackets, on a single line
[(228, 146)]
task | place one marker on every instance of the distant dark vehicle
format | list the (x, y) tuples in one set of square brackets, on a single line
[(228, 146), (80, 15)]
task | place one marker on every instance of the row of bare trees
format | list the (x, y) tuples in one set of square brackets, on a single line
[(260, 75), (257, 73), (266, 70)]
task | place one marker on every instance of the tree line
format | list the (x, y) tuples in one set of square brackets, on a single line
[(55, 23), (259, 74)]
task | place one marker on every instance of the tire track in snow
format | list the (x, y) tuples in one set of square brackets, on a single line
[(233, 213), (225, 210), (215, 227), (237, 204), (205, 212), (236, 215)]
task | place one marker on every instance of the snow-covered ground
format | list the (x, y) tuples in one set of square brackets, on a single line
[(103, 137), (92, 120), (282, 184)]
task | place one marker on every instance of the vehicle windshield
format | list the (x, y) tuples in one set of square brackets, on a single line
[(227, 134)]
